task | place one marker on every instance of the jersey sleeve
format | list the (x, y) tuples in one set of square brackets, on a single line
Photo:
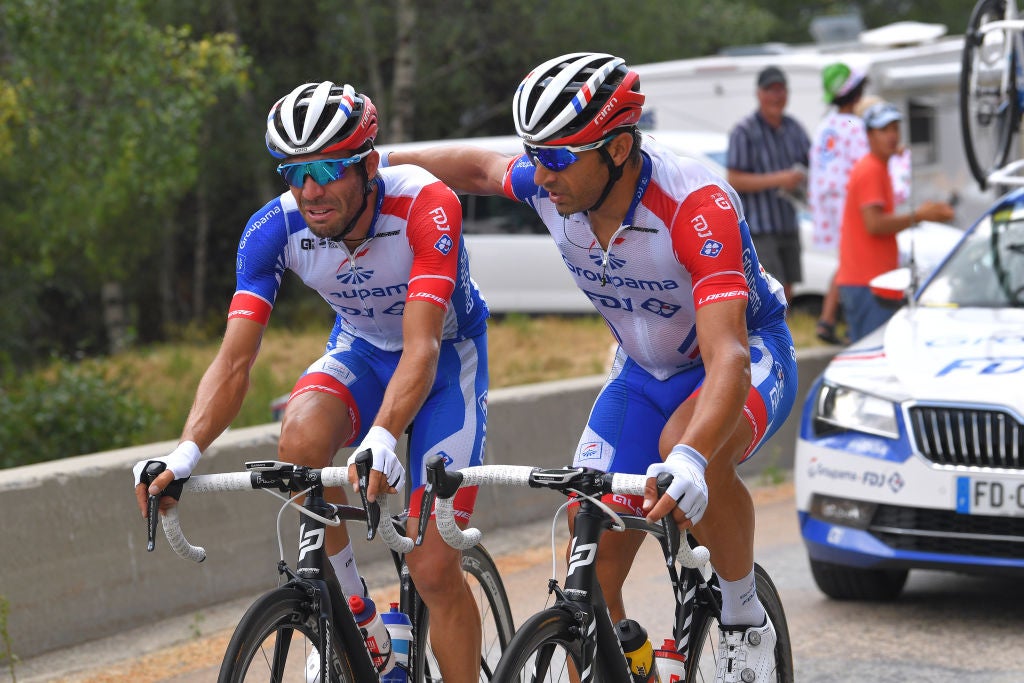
[(518, 182), (259, 264), (707, 241), (435, 231)]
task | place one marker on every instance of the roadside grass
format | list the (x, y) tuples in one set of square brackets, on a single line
[(521, 350)]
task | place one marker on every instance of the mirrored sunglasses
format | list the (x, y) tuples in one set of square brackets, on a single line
[(322, 171), (562, 157)]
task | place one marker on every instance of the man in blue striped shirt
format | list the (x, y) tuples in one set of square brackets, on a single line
[(767, 164)]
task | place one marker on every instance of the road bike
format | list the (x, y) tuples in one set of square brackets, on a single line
[(308, 612), (577, 629), (991, 86)]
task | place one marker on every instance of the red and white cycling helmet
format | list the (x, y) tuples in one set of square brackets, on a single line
[(577, 99), (321, 118)]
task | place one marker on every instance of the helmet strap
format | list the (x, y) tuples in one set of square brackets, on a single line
[(614, 173)]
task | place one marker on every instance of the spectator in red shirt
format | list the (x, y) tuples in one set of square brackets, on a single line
[(867, 243)]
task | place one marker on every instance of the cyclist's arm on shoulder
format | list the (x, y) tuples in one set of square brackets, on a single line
[(464, 168), (422, 324), (225, 383)]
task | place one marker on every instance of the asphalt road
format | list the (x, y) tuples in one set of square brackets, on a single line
[(945, 627)]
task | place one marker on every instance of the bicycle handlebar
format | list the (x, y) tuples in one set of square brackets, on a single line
[(256, 479), (565, 480)]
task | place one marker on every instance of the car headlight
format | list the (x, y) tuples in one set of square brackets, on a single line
[(840, 407)]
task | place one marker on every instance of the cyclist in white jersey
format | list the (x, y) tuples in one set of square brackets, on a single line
[(384, 249), (705, 370)]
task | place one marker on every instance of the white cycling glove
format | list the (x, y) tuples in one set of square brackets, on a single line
[(688, 488), (382, 444), (181, 461)]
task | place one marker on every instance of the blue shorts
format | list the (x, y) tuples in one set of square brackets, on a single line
[(633, 407), (452, 421)]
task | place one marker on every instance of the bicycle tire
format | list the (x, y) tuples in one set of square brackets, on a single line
[(989, 117), (702, 658), (283, 615), (542, 649), (495, 617)]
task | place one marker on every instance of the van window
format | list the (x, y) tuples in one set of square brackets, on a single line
[(922, 132), (487, 215)]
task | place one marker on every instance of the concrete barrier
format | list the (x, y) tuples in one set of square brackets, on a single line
[(73, 562)]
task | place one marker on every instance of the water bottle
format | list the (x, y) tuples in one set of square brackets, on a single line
[(638, 650), (400, 629), (671, 663), (378, 642)]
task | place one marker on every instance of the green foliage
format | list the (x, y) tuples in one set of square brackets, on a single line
[(73, 410)]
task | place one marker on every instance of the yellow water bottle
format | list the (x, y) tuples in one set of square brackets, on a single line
[(639, 651)]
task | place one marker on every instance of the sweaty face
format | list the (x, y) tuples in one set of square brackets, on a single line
[(328, 209)]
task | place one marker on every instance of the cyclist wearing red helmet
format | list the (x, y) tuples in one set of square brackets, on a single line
[(705, 371), (384, 249)]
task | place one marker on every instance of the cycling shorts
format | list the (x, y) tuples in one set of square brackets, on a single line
[(452, 421), (633, 407)]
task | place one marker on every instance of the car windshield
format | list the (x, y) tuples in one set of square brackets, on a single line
[(987, 268)]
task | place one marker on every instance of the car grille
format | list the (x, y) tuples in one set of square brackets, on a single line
[(964, 436), (947, 532)]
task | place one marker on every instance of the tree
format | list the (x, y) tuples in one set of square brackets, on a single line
[(100, 115)]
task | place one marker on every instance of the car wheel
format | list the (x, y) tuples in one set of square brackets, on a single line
[(848, 583)]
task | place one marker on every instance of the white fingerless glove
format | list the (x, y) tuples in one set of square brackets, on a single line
[(382, 444), (688, 488), (181, 461)]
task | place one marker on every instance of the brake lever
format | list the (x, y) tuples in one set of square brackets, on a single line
[(667, 525), (150, 472), (363, 462), (435, 474)]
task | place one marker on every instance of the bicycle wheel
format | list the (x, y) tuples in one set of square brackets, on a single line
[(989, 104), (542, 649), (702, 659), (273, 640), (495, 619)]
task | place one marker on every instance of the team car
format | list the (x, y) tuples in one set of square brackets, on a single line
[(910, 453)]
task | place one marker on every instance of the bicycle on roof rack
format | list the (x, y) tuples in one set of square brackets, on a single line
[(575, 636), (991, 87), (308, 613)]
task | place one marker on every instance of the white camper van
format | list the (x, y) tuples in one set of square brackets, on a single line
[(915, 66)]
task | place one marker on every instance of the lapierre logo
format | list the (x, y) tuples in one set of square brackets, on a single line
[(310, 540), (721, 295), (440, 218), (581, 556)]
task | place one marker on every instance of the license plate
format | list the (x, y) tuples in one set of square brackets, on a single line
[(990, 496)]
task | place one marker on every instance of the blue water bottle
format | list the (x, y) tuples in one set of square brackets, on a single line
[(400, 629), (374, 632)]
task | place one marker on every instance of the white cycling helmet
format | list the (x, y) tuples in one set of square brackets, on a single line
[(321, 117), (577, 99)]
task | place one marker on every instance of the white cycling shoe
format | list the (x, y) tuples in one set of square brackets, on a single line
[(746, 654)]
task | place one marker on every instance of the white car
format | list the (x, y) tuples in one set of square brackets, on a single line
[(518, 268), (911, 446)]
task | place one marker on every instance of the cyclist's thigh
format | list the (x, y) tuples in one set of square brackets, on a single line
[(337, 397), (628, 416), (773, 379), (452, 421)]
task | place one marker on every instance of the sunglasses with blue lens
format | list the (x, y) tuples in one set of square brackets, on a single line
[(322, 171), (562, 157)]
